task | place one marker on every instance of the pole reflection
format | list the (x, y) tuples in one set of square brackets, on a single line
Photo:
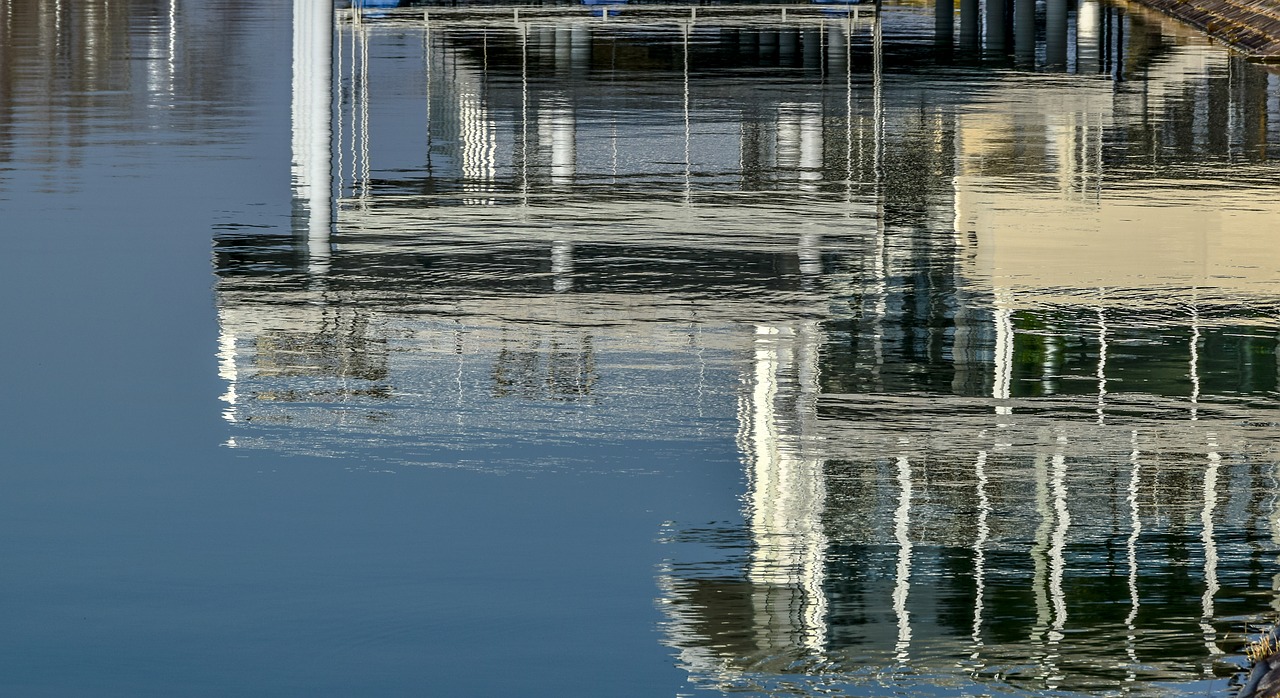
[(958, 360)]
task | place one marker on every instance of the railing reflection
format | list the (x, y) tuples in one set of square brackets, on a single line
[(964, 439)]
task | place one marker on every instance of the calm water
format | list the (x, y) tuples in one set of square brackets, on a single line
[(632, 356)]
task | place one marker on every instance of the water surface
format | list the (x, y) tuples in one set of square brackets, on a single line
[(638, 355)]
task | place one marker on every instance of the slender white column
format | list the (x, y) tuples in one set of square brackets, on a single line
[(1135, 530), (1194, 368), (1002, 384), (980, 554), (1039, 550), (312, 128), (1102, 366), (902, 576), (1210, 553), (1057, 560)]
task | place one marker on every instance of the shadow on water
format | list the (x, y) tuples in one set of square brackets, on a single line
[(988, 309)]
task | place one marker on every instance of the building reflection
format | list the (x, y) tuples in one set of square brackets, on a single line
[(69, 73), (1002, 375)]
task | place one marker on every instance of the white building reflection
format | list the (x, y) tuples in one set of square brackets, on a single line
[(934, 379)]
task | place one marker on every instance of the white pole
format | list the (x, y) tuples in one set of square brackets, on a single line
[(312, 127)]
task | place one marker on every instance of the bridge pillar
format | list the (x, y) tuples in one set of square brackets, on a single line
[(769, 48), (995, 34), (837, 50), (944, 17), (1055, 51), (969, 25), (788, 47), (811, 45), (749, 44), (1089, 37), (1024, 33)]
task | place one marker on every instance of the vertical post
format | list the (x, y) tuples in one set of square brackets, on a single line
[(902, 575), (580, 49), (562, 266), (1102, 365), (429, 57), (788, 45), (837, 49), (944, 19), (1118, 68), (688, 165), (811, 149), (995, 40), (1135, 530), (980, 552), (969, 25), (769, 48), (1211, 586), (1024, 33), (313, 26), (1055, 26), (811, 47), (1089, 36), (524, 113)]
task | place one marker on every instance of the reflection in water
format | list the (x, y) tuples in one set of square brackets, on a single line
[(312, 98), (75, 76), (1003, 346)]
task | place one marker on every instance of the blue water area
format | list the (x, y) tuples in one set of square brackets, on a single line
[(655, 353)]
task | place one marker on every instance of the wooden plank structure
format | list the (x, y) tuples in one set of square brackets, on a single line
[(1251, 27)]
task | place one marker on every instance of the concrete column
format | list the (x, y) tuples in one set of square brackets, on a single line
[(995, 41), (811, 142), (748, 46), (788, 47), (562, 266), (564, 153), (944, 12), (1089, 37), (969, 38), (1024, 33), (837, 50), (580, 49), (563, 48), (1055, 51), (768, 48), (811, 45), (788, 143)]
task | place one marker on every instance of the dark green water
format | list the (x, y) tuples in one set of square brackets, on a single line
[(648, 355)]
